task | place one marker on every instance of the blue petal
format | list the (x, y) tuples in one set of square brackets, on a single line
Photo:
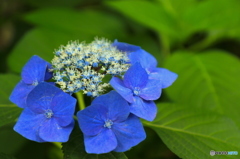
[(119, 86), (20, 93), (135, 76), (34, 70), (164, 75), (128, 133), (92, 119), (28, 125), (41, 97), (144, 58), (143, 109), (63, 119), (152, 90), (117, 106), (104, 142), (48, 74), (51, 131), (125, 47), (63, 105)]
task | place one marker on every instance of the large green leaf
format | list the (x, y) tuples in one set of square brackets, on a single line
[(209, 80), (176, 21), (150, 14), (53, 31), (77, 22), (220, 18), (10, 141), (193, 133), (8, 111), (40, 42), (203, 16), (74, 149)]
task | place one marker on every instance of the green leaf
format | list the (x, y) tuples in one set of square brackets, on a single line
[(4, 156), (203, 16), (147, 13), (77, 22), (219, 18), (193, 133), (8, 111), (52, 32), (8, 82), (40, 42), (177, 22), (10, 141), (209, 80), (150, 14), (74, 149)]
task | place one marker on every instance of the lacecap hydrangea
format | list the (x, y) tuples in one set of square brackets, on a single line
[(80, 66), (112, 121)]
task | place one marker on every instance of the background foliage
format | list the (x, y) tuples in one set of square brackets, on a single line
[(197, 39)]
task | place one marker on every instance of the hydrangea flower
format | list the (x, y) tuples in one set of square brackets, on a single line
[(48, 116), (35, 71), (107, 125), (81, 66), (148, 62), (139, 91)]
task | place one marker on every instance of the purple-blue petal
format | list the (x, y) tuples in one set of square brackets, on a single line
[(119, 86), (48, 74), (143, 109), (165, 76), (63, 119), (63, 105), (152, 90), (92, 119), (104, 142), (20, 93), (144, 58), (34, 70), (117, 106), (125, 47), (128, 133), (41, 96), (135, 76), (28, 125), (51, 131)]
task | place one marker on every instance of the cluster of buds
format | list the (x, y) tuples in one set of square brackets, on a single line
[(80, 66)]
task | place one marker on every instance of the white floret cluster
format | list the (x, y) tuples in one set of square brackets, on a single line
[(80, 66)]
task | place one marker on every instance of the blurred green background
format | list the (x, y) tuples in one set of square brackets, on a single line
[(174, 31)]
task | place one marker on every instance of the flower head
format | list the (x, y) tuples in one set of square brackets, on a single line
[(81, 66), (35, 71), (107, 125), (139, 91), (148, 62), (48, 115)]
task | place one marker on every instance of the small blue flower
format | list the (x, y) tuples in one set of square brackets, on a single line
[(35, 71), (139, 91), (107, 125), (148, 62), (48, 116)]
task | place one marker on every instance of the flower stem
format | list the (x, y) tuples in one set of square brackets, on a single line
[(57, 144), (80, 99)]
